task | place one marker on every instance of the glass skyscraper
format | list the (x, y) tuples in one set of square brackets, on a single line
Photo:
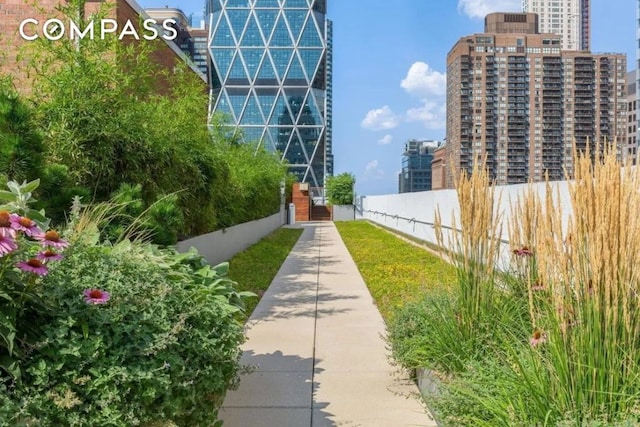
[(272, 78)]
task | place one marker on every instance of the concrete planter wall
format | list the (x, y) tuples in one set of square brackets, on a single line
[(429, 385), (222, 245), (344, 212)]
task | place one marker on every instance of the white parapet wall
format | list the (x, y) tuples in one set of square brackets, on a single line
[(414, 214), (343, 212), (220, 246)]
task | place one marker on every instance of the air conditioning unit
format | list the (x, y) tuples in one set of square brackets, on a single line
[(304, 186)]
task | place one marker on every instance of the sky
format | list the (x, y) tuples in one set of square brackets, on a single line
[(389, 64)]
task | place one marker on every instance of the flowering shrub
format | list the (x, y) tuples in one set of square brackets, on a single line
[(138, 336), (109, 335), (25, 253)]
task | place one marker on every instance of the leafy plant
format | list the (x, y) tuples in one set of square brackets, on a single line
[(572, 357), (22, 148), (340, 189), (139, 336), (110, 116), (25, 252)]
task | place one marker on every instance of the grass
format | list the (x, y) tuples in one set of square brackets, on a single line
[(395, 271), (255, 267), (424, 243)]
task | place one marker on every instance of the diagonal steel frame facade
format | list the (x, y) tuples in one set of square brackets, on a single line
[(271, 77)]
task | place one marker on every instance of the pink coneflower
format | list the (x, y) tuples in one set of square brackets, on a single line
[(7, 244), (538, 286), (49, 255), (96, 296), (7, 232), (5, 224), (523, 251), (24, 224), (537, 338), (52, 238), (33, 266)]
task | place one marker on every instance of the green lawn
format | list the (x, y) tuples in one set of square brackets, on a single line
[(255, 268), (395, 271)]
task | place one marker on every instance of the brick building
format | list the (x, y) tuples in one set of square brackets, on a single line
[(630, 151), (166, 54), (438, 167), (520, 100), (193, 34)]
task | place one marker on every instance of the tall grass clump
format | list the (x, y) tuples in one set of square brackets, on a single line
[(581, 363), (462, 326), (592, 320), (474, 249)]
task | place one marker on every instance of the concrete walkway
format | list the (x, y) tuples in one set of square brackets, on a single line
[(316, 343)]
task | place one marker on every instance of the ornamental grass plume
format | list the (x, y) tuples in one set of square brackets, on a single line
[(589, 265), (474, 249)]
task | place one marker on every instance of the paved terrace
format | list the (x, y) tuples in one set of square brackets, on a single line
[(316, 343)]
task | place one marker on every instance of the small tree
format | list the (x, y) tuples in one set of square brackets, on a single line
[(340, 189)]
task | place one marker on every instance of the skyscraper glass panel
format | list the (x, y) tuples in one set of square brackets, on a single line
[(272, 65)]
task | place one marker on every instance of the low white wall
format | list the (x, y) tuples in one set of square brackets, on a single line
[(343, 212), (414, 213), (220, 246)]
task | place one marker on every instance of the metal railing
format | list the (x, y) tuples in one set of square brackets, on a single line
[(417, 221)]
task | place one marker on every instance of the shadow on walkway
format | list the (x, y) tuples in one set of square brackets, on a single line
[(278, 391)]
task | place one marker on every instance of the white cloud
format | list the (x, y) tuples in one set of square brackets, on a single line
[(371, 166), (431, 87), (481, 8), (385, 140), (431, 114), (423, 80), (380, 119), (372, 169)]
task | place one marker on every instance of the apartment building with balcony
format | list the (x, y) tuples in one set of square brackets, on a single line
[(518, 100)]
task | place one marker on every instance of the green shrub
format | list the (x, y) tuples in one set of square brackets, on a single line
[(164, 347), (107, 121), (256, 174), (23, 260), (130, 217), (56, 192), (22, 149), (340, 189)]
